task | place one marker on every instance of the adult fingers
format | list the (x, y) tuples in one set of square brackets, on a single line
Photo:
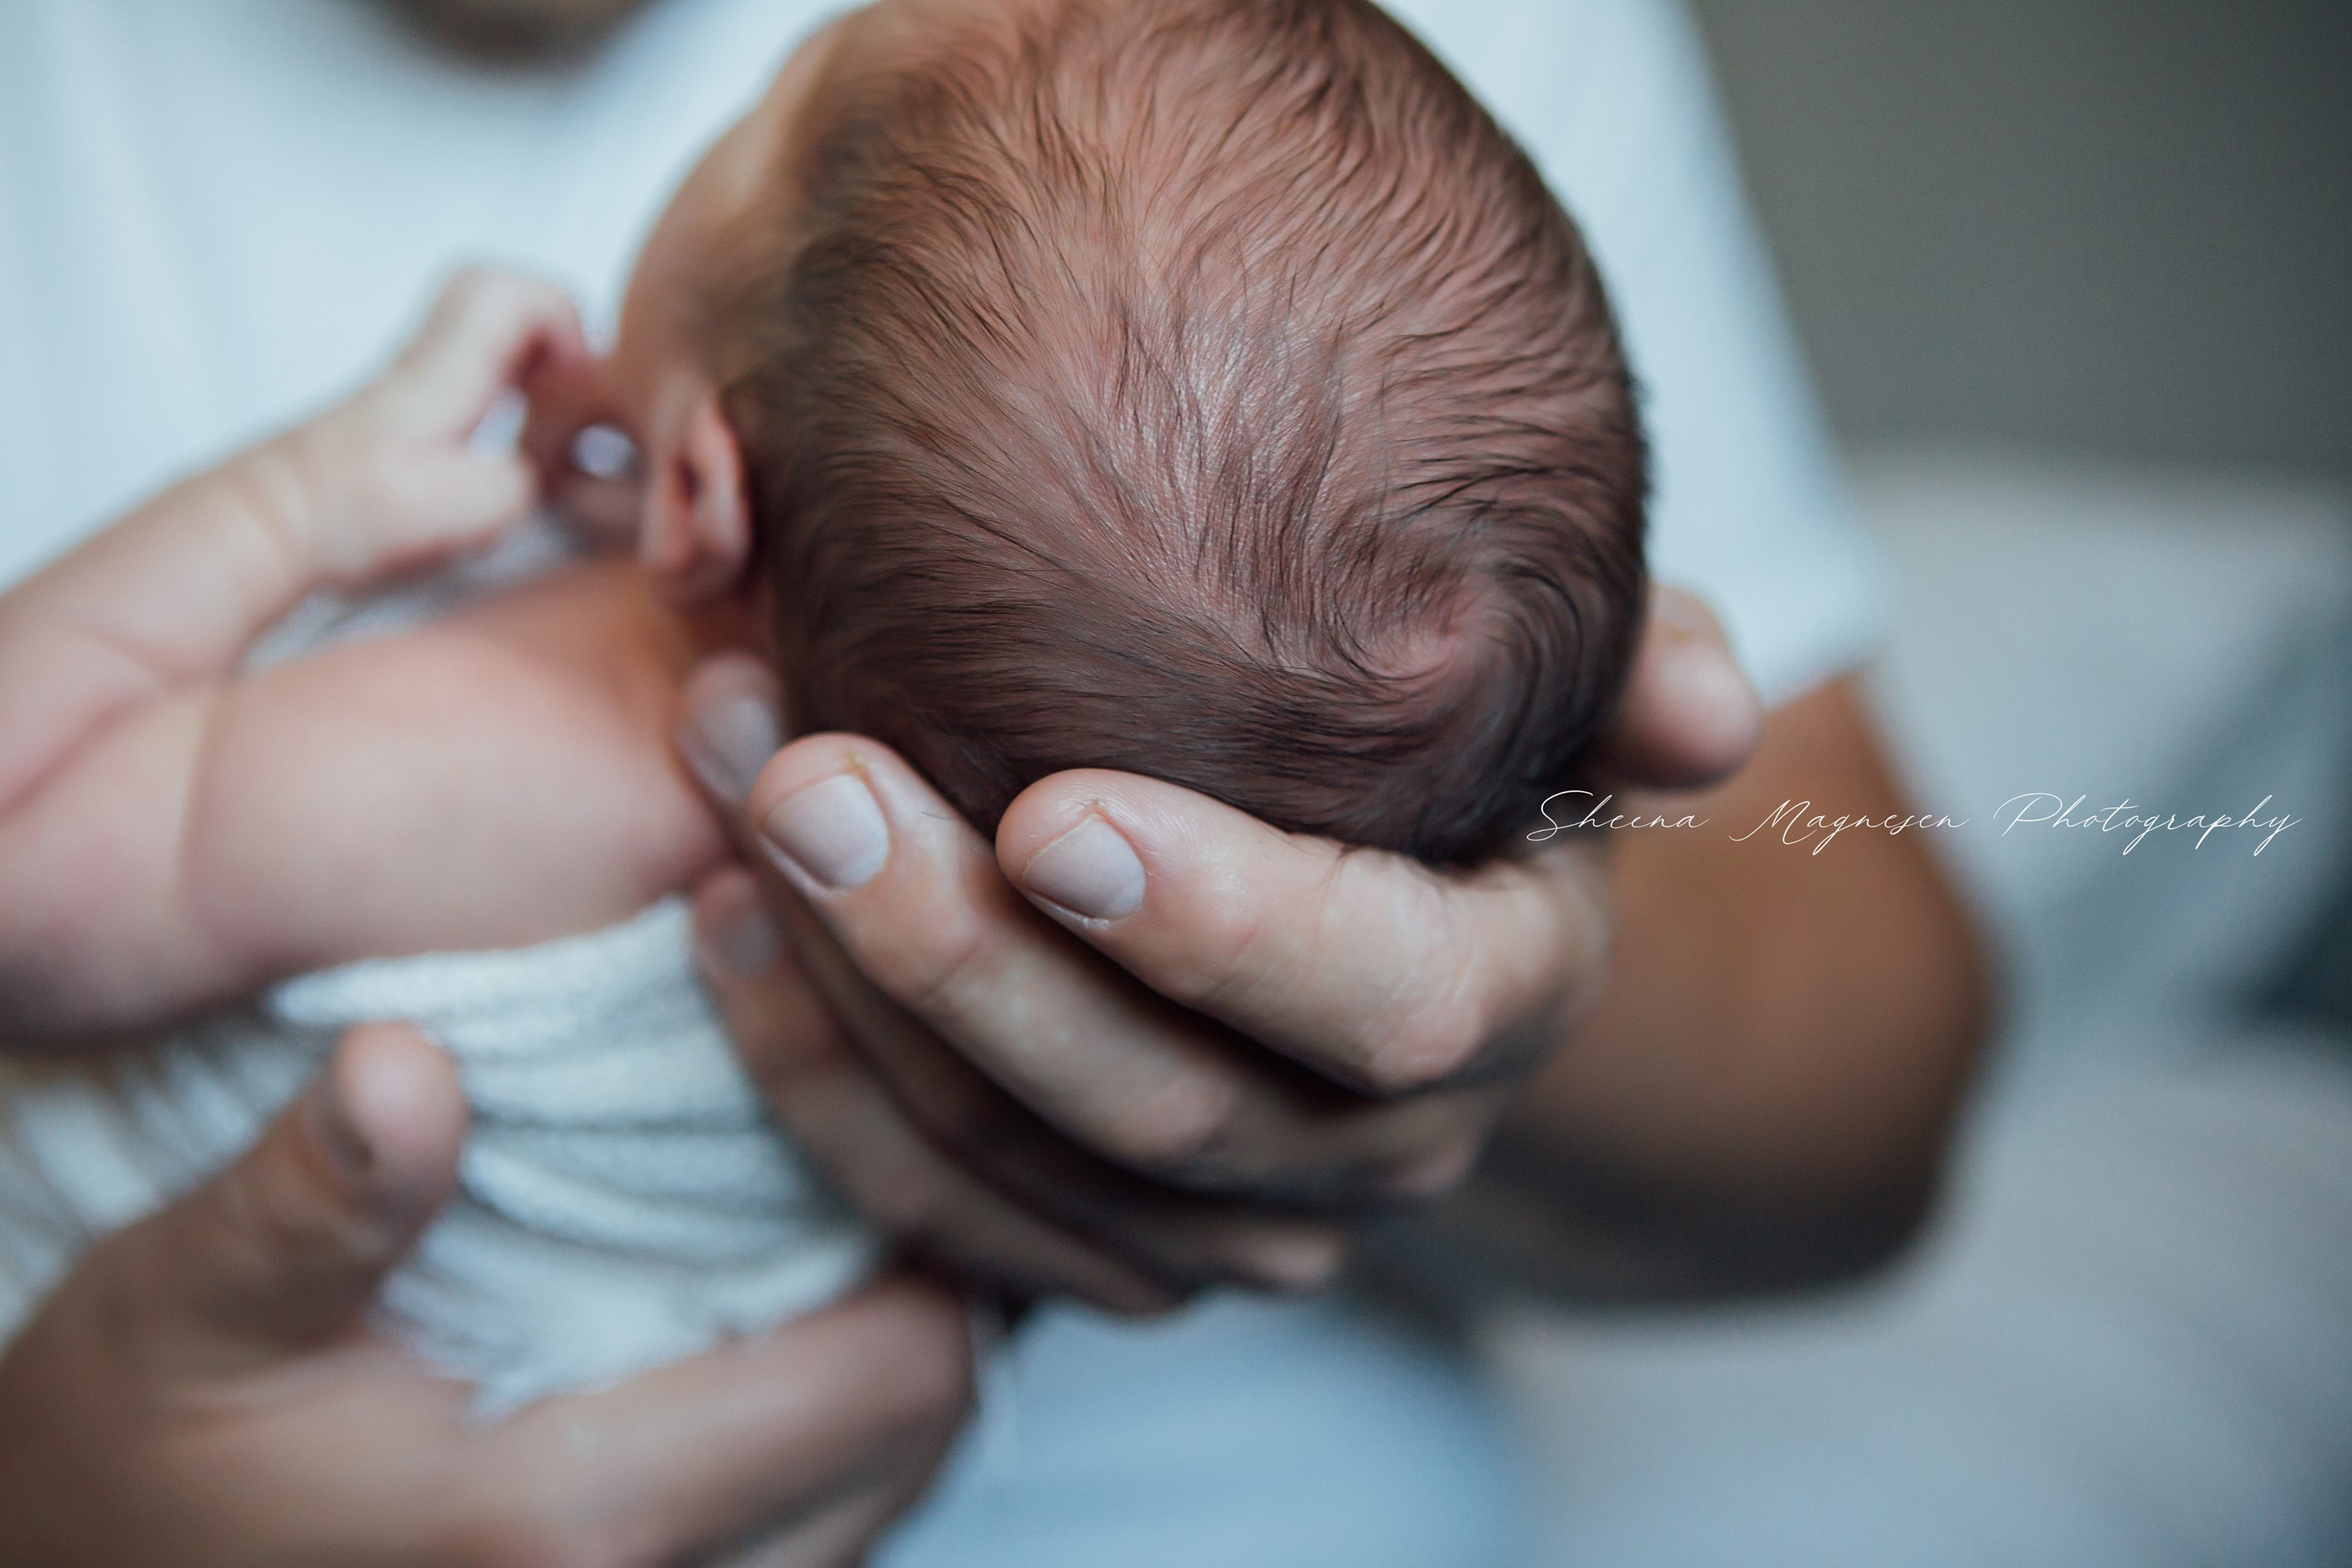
[(283, 1251), (1689, 716), (752, 1437), (914, 896), (852, 1128), (1366, 966), (922, 937)]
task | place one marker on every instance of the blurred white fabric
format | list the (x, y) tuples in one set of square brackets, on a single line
[(2129, 1343), (623, 1202)]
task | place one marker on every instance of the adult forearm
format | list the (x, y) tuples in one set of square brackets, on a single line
[(1764, 1095)]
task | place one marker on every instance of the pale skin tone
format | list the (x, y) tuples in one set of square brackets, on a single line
[(202, 1388), (201, 1392), (1711, 1066), (149, 790), (1760, 1085), (1706, 1069)]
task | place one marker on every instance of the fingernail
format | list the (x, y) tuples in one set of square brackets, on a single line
[(834, 833), (727, 738), (742, 942), (1091, 871)]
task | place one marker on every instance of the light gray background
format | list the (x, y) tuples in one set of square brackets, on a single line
[(2121, 228)]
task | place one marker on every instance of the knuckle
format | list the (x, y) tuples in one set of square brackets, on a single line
[(1307, 1267), (1430, 1175), (1225, 940), (929, 1385), (1430, 1044), (1569, 914), (934, 978), (281, 1210), (1441, 1017), (1286, 1259), (1176, 1131)]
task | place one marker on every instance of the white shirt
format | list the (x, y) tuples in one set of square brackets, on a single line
[(214, 215), (1613, 100)]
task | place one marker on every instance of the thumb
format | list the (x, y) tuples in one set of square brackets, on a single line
[(282, 1252)]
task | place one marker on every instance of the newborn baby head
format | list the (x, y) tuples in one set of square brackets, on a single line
[(1202, 388)]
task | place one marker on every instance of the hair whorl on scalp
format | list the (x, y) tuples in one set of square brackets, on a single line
[(1207, 389)]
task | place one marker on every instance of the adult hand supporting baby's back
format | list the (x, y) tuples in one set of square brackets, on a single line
[(203, 1391), (1145, 1044)]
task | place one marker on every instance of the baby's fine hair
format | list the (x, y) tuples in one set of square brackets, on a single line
[(1202, 388)]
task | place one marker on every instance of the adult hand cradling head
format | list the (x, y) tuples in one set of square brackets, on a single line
[(1298, 467), (1144, 1044)]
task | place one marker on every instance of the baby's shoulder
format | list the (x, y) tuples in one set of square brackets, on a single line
[(499, 778)]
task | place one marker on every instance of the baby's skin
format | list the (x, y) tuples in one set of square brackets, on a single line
[(175, 832)]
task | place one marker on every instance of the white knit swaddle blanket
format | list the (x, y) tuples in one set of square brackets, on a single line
[(624, 1200)]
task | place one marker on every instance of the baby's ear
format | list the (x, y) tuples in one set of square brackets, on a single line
[(697, 526)]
